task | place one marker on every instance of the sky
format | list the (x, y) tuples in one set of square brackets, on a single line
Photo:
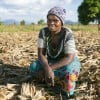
[(34, 10)]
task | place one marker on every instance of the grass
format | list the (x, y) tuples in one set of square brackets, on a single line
[(87, 28), (20, 28), (31, 28)]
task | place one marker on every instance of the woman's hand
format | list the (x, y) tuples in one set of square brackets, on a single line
[(49, 76)]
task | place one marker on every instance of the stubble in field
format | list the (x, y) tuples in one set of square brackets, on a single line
[(19, 49)]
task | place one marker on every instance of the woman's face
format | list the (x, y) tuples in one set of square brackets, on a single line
[(54, 23)]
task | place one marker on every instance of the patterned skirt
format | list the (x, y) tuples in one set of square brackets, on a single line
[(65, 77)]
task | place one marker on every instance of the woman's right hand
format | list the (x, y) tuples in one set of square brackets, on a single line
[(49, 76)]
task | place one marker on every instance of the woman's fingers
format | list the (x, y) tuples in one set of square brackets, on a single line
[(53, 82)]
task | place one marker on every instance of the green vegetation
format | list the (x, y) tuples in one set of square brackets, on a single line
[(22, 22), (89, 10), (31, 28), (20, 28), (87, 28), (41, 22)]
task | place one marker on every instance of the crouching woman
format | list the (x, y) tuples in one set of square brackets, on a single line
[(57, 58)]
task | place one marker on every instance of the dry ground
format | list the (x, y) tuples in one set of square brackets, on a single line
[(18, 50)]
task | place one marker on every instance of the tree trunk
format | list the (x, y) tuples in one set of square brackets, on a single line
[(98, 27), (99, 23)]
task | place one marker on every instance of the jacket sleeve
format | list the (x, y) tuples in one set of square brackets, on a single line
[(69, 45), (41, 39)]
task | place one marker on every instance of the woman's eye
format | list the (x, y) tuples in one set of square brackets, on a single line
[(55, 20)]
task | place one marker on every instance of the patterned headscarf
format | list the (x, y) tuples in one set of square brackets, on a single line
[(59, 12)]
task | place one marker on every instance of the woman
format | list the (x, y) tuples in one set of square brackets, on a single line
[(57, 53)]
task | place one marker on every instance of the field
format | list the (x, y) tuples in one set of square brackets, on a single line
[(18, 48)]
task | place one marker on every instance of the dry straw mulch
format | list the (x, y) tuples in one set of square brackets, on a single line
[(18, 50)]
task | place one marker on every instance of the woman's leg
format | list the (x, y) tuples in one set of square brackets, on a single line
[(36, 70), (71, 75), (68, 76)]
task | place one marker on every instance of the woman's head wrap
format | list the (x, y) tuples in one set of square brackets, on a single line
[(59, 12)]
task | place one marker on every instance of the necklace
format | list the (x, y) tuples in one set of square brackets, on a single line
[(54, 46)]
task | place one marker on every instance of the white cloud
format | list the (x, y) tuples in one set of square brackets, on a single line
[(67, 2), (17, 2), (31, 10)]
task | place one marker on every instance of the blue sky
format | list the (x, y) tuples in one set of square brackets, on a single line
[(34, 10)]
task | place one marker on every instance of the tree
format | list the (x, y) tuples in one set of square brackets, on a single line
[(89, 11), (41, 21), (0, 22), (32, 23), (22, 22)]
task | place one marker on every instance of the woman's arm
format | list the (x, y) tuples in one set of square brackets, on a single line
[(69, 50), (42, 58), (47, 69), (64, 61)]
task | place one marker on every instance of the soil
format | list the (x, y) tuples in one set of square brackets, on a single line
[(19, 49)]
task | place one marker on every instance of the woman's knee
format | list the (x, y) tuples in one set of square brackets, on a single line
[(32, 67), (35, 66), (74, 66)]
